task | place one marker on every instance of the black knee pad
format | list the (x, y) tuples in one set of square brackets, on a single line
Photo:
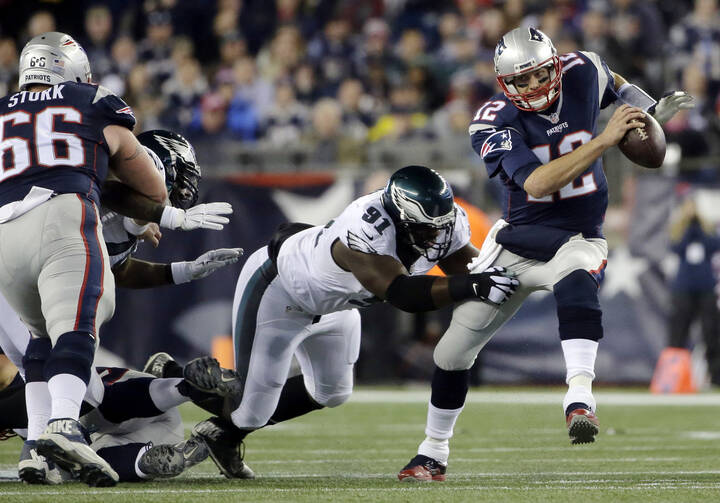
[(578, 307), (35, 357), (73, 353)]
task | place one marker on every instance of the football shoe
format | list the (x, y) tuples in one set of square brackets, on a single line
[(424, 469), (162, 461), (227, 450), (65, 443), (206, 374), (194, 450), (155, 365), (582, 425), (33, 468)]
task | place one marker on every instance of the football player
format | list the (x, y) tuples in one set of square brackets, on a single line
[(539, 136), (173, 157), (136, 428), (62, 135), (299, 296)]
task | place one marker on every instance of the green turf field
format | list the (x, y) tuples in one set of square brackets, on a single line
[(509, 446)]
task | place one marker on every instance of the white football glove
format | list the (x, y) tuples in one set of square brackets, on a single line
[(204, 265), (670, 105), (202, 216)]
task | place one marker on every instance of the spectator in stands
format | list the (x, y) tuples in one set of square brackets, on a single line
[(8, 66), (232, 48), (183, 92), (252, 98), (210, 121), (286, 119), (98, 40), (306, 88), (124, 58), (40, 22), (330, 52), (327, 145), (695, 242), (356, 109), (156, 48), (404, 121), (696, 39), (281, 56)]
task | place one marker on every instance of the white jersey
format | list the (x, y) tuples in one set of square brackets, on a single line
[(120, 243), (310, 275)]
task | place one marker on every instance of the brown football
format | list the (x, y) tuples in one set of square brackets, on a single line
[(645, 145)]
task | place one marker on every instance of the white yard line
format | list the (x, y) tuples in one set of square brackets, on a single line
[(415, 395)]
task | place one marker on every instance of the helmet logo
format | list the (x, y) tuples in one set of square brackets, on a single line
[(175, 148), (535, 35), (500, 47)]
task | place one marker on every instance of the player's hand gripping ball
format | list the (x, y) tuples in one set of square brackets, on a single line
[(645, 145)]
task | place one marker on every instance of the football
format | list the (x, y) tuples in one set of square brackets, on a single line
[(645, 145)]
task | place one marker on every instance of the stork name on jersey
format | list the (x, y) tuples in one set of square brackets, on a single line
[(52, 93), (557, 128)]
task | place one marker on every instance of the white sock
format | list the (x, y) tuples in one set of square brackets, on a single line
[(37, 404), (67, 392), (435, 448), (142, 451), (579, 357), (164, 393), (440, 422)]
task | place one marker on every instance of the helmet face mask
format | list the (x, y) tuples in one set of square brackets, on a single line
[(53, 58), (421, 204), (182, 172), (524, 51)]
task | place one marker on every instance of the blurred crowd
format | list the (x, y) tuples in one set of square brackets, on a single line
[(338, 75)]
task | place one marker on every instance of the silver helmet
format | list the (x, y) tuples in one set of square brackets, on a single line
[(526, 50), (52, 58)]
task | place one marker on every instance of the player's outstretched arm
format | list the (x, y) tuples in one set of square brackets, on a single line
[(550, 177), (388, 280), (662, 110), (124, 200), (134, 273)]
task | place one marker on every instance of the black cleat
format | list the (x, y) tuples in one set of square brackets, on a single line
[(424, 469), (162, 461), (155, 365), (226, 447), (34, 468), (65, 442), (194, 450), (206, 374), (582, 424)]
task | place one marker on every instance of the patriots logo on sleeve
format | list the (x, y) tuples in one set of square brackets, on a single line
[(495, 142), (125, 110)]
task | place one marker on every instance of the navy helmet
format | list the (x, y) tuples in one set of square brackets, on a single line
[(421, 204)]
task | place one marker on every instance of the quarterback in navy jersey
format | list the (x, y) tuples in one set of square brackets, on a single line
[(540, 137)]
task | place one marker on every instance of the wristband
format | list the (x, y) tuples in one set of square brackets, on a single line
[(180, 272), (172, 218), (134, 228), (169, 275), (412, 294)]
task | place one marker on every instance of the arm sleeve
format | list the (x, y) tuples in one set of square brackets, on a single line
[(505, 149)]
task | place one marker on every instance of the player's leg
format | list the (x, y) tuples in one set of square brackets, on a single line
[(579, 267), (77, 291), (473, 324), (266, 332), (20, 259)]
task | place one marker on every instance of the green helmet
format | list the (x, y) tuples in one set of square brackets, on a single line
[(421, 204)]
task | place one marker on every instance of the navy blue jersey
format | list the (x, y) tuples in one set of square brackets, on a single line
[(513, 143), (54, 139)]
